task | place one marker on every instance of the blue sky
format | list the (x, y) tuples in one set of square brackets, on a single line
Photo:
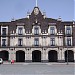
[(53, 8)]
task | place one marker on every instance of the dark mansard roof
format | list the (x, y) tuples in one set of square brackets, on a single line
[(38, 16)]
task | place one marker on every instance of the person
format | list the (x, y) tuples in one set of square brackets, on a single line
[(12, 61)]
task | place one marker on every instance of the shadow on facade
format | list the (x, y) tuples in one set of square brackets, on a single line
[(52, 56), (70, 56), (20, 56), (36, 56), (4, 55)]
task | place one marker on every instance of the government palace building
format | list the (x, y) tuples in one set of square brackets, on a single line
[(37, 38)]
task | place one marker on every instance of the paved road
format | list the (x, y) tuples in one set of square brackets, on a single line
[(36, 69)]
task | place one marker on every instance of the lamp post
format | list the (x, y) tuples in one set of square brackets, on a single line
[(67, 54), (61, 48), (61, 54)]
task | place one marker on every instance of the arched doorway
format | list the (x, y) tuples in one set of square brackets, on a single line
[(70, 56), (20, 56), (36, 56), (4, 55), (52, 56)]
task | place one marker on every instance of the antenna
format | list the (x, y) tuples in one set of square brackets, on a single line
[(36, 3)]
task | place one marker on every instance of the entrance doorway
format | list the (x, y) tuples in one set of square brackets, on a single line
[(20, 56), (52, 56), (4, 55), (36, 56), (70, 56)]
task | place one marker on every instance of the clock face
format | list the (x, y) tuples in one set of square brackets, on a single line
[(36, 11)]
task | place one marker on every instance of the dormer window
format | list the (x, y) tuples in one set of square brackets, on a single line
[(36, 30), (52, 30), (68, 30), (20, 30), (3, 31)]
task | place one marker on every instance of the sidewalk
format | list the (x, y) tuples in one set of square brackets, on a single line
[(50, 63), (56, 63)]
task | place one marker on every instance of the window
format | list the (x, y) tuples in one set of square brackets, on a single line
[(68, 30), (68, 41), (20, 42), (3, 42), (36, 30), (3, 31), (52, 30), (20, 30), (52, 40), (36, 42)]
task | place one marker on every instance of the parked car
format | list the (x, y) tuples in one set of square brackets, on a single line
[(1, 61)]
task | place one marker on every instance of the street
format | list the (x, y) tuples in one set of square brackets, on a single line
[(36, 69)]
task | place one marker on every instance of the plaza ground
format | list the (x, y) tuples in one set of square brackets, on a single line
[(37, 69)]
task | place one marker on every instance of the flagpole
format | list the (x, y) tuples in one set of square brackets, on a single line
[(36, 3)]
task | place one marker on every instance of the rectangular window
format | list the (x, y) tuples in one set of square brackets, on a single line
[(3, 42), (20, 31), (52, 40), (68, 30), (36, 42), (36, 30), (3, 31), (20, 42), (52, 30), (68, 41)]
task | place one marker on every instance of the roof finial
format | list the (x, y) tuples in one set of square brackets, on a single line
[(36, 3)]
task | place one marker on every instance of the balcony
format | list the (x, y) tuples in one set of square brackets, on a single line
[(34, 46), (20, 45), (3, 33), (20, 33), (68, 34)]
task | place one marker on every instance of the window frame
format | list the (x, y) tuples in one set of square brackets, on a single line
[(52, 30), (68, 41), (36, 41), (36, 30), (52, 41), (20, 32), (4, 32), (3, 42), (20, 42), (68, 30)]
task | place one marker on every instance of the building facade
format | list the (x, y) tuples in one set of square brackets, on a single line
[(37, 38)]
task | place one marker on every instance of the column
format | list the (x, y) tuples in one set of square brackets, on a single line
[(61, 55), (28, 56), (12, 54), (44, 55)]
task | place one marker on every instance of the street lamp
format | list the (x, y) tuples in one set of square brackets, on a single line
[(61, 48), (67, 54)]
